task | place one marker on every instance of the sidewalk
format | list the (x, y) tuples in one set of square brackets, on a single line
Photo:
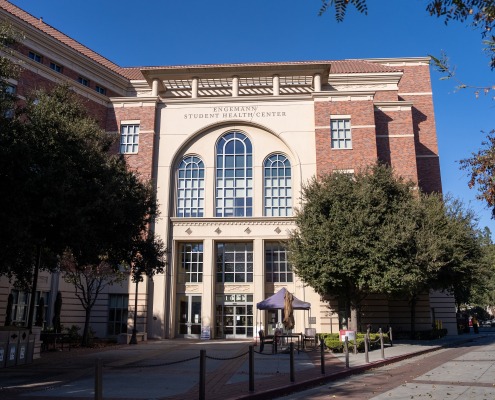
[(169, 369)]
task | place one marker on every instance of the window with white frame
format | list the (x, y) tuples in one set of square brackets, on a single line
[(190, 187), (234, 262), (56, 67), (234, 176), (83, 81), (341, 133), (20, 307), (117, 313), (101, 89), (277, 186), (129, 138), (190, 262), (277, 268), (35, 56)]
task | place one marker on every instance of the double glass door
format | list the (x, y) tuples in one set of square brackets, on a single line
[(189, 315), (234, 316)]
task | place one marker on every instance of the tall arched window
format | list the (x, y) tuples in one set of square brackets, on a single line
[(234, 177), (278, 186), (191, 187)]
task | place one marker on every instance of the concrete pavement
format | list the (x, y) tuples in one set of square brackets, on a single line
[(169, 369)]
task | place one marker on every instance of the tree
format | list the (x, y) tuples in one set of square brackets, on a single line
[(338, 246), (89, 281)]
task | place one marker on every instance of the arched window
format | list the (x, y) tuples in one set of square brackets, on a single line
[(277, 186), (191, 187), (234, 176)]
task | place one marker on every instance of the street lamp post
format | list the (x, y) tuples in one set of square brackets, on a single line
[(134, 325)]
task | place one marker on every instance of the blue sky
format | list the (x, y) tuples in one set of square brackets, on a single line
[(167, 32)]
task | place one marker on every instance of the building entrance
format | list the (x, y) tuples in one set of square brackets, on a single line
[(189, 316), (234, 316)]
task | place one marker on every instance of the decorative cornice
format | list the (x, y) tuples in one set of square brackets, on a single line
[(176, 221)]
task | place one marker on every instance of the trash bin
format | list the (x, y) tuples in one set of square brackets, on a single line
[(12, 347), (4, 340), (22, 348), (30, 348)]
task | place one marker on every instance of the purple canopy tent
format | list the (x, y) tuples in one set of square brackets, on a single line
[(277, 302)]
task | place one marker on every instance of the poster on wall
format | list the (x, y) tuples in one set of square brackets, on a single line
[(205, 333)]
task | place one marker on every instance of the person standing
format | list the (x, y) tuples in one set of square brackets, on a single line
[(474, 320)]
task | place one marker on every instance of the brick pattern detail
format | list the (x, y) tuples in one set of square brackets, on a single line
[(363, 152), (399, 152), (29, 81), (67, 72), (417, 80), (142, 162)]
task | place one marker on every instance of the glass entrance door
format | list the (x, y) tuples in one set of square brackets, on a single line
[(189, 316), (234, 317)]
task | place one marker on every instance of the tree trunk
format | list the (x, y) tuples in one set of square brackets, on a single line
[(412, 303), (85, 335), (353, 326)]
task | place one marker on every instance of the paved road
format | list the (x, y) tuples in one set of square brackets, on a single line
[(465, 372)]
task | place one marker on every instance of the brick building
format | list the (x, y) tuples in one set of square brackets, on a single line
[(228, 147)]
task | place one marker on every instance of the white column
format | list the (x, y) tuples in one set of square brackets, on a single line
[(194, 88), (317, 82), (235, 86), (154, 88), (276, 85)]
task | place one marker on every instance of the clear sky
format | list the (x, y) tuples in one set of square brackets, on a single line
[(178, 32)]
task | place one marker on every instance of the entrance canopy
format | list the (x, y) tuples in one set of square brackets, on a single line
[(277, 302)]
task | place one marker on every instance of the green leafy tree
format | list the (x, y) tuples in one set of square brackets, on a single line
[(338, 245)]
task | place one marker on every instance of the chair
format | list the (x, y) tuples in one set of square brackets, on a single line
[(264, 340), (309, 336)]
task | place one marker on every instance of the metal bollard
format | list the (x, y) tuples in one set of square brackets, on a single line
[(98, 380), (251, 368), (381, 344), (346, 350), (291, 349), (366, 349), (202, 374), (322, 355), (390, 336)]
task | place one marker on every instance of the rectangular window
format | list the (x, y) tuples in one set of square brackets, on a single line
[(100, 89), (56, 67), (117, 313), (83, 81), (129, 139), (35, 56), (190, 262), (341, 133), (277, 268), (234, 262), (20, 307), (9, 96)]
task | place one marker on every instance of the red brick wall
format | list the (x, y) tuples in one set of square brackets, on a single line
[(30, 80), (363, 152), (415, 86), (142, 162), (399, 152), (68, 72)]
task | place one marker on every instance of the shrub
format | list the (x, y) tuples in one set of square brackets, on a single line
[(332, 341)]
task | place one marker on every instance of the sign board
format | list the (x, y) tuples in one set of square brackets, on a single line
[(205, 333), (351, 335), (312, 320)]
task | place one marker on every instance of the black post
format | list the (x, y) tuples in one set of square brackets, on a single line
[(366, 350), (381, 344), (251, 368), (33, 290), (346, 350), (134, 326), (202, 374), (98, 380), (292, 376), (322, 355)]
